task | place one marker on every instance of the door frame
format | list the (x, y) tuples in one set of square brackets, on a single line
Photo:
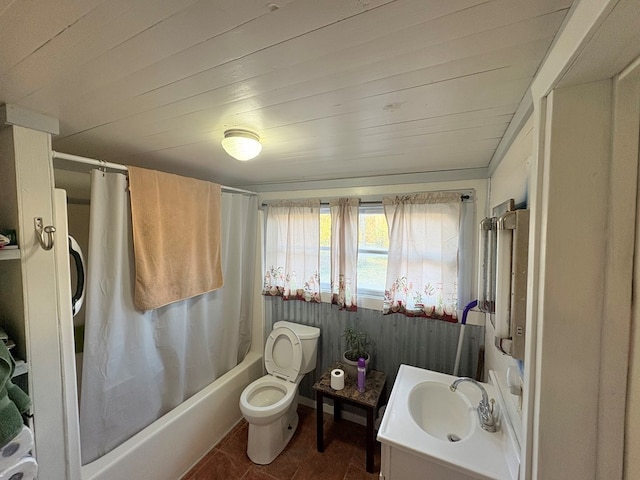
[(621, 348)]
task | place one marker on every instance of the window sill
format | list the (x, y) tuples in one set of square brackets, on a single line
[(364, 301)]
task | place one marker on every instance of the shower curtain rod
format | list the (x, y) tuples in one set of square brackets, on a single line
[(123, 168)]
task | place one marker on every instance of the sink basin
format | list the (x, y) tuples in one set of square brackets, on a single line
[(428, 431), (441, 413)]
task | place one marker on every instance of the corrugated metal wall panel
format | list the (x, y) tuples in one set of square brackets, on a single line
[(421, 342)]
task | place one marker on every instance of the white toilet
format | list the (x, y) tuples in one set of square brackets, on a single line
[(270, 403)]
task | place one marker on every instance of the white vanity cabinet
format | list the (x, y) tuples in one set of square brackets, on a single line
[(398, 464)]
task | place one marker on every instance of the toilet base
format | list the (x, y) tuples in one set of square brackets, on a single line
[(266, 442)]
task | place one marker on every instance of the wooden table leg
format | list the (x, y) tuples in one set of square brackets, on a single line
[(319, 422), (370, 439), (337, 410)]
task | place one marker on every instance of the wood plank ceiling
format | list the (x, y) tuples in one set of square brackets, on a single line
[(336, 89)]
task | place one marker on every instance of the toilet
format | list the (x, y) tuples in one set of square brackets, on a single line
[(269, 404)]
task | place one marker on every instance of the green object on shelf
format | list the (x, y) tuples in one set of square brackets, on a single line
[(13, 401)]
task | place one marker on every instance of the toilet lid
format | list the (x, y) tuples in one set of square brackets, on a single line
[(283, 354)]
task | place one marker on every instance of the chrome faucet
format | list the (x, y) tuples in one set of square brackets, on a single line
[(485, 411)]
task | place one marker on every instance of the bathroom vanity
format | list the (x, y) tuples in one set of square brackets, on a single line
[(430, 431)]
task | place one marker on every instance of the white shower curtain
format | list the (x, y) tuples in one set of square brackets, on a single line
[(139, 365)]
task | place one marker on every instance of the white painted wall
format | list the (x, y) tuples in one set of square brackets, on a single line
[(571, 263), (509, 180), (569, 392), (511, 176), (622, 385)]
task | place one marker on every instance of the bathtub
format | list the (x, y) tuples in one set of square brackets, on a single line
[(170, 446)]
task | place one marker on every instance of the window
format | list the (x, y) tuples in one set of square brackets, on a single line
[(325, 249), (374, 253), (373, 249)]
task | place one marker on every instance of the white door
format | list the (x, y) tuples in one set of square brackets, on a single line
[(67, 345)]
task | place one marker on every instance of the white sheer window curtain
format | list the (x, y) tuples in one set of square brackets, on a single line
[(422, 272), (344, 252), (292, 251)]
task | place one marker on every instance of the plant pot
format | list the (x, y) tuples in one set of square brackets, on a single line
[(351, 367)]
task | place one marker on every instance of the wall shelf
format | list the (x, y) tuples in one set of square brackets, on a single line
[(21, 368), (9, 253)]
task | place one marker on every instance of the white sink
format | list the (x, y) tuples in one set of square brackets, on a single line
[(440, 412), (429, 429)]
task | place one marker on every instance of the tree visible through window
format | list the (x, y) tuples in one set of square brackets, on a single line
[(373, 250)]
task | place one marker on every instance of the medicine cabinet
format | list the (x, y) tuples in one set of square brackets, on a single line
[(502, 282)]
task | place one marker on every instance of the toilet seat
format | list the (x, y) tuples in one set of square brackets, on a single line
[(283, 354)]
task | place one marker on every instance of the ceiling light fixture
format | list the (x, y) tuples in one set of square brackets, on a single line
[(241, 144)]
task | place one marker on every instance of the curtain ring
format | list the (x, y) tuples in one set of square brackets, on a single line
[(45, 242)]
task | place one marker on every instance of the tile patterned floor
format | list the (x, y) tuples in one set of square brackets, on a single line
[(343, 458)]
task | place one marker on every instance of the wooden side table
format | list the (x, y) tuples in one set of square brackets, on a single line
[(368, 400)]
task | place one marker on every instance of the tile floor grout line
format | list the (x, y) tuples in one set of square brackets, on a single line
[(300, 454)]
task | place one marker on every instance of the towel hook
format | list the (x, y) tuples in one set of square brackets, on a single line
[(41, 230)]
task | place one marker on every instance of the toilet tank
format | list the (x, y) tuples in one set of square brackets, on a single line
[(309, 338)]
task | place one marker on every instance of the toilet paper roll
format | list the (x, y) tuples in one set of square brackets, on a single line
[(16, 448), (337, 379), (25, 469)]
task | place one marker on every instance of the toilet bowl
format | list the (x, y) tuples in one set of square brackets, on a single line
[(266, 399), (269, 404)]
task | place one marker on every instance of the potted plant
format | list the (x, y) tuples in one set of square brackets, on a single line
[(357, 346)]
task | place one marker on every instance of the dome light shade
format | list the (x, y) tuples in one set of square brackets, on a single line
[(241, 144)]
